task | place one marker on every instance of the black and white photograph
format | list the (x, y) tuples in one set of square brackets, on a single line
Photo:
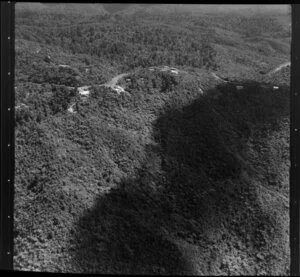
[(152, 139)]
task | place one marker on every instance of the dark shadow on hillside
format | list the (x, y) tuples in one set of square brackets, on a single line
[(190, 188)]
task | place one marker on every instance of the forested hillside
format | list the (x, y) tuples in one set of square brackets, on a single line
[(178, 166)]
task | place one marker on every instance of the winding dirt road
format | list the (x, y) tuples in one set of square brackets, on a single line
[(279, 68), (112, 83), (115, 80), (218, 78), (276, 69)]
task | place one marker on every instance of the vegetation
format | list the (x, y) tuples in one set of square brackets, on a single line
[(182, 173)]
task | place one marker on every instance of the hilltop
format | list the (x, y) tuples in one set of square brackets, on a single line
[(149, 143)]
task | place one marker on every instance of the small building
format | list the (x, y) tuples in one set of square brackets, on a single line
[(165, 68), (84, 91), (71, 108), (21, 106), (118, 89), (63, 66)]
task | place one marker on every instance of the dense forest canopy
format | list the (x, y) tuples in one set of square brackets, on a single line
[(152, 139), (148, 38)]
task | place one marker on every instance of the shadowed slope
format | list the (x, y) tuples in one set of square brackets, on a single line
[(195, 205)]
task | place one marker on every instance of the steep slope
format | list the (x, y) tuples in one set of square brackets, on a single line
[(161, 175)]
